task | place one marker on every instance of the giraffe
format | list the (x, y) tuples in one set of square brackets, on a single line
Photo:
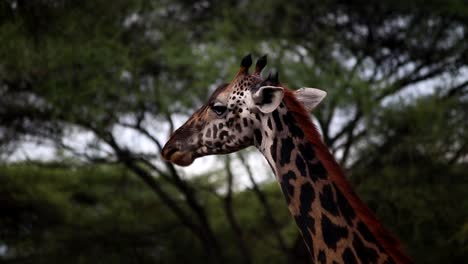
[(336, 226)]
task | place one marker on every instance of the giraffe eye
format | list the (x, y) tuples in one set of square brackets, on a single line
[(218, 108)]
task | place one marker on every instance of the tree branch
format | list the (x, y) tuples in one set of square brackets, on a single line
[(203, 230), (228, 208), (268, 213)]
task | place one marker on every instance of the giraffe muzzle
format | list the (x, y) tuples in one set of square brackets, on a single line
[(176, 156)]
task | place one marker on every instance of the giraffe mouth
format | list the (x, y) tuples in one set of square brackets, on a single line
[(181, 158)]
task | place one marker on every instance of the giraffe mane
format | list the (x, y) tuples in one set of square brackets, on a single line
[(389, 242)]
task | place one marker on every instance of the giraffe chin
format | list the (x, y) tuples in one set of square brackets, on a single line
[(182, 158)]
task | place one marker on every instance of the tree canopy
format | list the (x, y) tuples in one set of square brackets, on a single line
[(82, 77)]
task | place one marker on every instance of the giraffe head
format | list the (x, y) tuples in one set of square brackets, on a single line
[(231, 118)]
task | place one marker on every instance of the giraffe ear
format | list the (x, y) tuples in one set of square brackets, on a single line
[(310, 97), (268, 98)]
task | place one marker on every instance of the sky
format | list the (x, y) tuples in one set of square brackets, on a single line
[(80, 141)]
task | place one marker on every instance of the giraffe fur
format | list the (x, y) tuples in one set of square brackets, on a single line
[(337, 227)]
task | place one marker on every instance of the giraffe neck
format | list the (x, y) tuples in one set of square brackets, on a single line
[(332, 227)]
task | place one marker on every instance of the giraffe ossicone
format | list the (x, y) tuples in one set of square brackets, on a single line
[(251, 111)]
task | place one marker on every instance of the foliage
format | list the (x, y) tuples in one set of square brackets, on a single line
[(101, 214), (395, 116)]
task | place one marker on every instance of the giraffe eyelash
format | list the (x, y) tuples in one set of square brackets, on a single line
[(218, 108)]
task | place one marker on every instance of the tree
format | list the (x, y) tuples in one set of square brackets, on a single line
[(101, 70)]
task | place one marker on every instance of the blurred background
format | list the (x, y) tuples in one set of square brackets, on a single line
[(90, 91)]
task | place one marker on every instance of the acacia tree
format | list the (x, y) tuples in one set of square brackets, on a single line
[(92, 68), (80, 68)]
